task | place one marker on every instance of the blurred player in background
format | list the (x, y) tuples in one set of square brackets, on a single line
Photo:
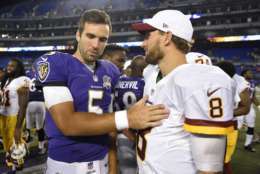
[(250, 118), (198, 58), (14, 98), (2, 73), (203, 94), (242, 107), (78, 92), (127, 69), (115, 54), (129, 90), (35, 112)]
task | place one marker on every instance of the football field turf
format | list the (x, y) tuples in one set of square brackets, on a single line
[(244, 162)]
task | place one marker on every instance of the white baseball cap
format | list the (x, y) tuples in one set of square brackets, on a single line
[(172, 21)]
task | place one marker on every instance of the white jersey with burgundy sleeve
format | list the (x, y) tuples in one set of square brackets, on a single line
[(10, 106), (241, 83), (209, 96), (248, 119), (164, 149)]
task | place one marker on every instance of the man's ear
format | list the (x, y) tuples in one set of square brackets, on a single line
[(77, 36), (167, 38)]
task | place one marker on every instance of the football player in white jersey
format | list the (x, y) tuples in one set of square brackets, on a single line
[(198, 58), (241, 108), (203, 94), (14, 90), (249, 119)]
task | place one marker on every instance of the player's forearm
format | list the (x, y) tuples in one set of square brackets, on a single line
[(139, 116), (241, 111), (89, 124), (23, 95), (73, 123), (244, 105), (255, 101)]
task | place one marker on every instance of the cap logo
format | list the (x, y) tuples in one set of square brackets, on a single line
[(165, 25)]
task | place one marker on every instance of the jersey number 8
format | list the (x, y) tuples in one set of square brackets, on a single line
[(215, 105)]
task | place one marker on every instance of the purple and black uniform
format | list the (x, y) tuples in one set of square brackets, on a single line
[(128, 91), (35, 94), (61, 69)]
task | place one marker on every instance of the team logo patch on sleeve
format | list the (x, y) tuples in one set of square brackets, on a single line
[(106, 82), (43, 70)]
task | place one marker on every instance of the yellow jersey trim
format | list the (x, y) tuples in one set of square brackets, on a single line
[(208, 130)]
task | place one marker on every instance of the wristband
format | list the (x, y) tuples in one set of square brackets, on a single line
[(121, 120)]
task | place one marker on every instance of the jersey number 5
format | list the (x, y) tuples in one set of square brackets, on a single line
[(92, 96)]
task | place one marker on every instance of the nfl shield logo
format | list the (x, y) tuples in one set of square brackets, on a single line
[(106, 82), (43, 70)]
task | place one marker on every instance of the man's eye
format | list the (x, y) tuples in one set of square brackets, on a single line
[(91, 36), (103, 39)]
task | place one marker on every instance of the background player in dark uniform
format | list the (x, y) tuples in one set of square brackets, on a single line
[(129, 90), (35, 112), (115, 54), (77, 92)]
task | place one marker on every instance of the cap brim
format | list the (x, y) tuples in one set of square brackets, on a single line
[(142, 27)]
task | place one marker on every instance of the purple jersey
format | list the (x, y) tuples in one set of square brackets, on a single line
[(128, 91), (35, 94), (60, 69)]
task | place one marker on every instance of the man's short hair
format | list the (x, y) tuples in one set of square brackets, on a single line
[(94, 16), (110, 48), (244, 72), (228, 67), (182, 45)]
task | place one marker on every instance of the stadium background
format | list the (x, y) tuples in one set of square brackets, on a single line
[(224, 29)]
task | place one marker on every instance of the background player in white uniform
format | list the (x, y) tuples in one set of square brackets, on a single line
[(2, 73), (194, 57), (249, 119), (198, 58), (14, 91), (241, 107), (205, 102)]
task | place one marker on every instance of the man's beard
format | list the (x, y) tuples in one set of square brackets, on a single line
[(154, 57), (10, 74), (86, 58)]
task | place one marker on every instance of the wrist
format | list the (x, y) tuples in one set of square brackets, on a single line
[(121, 120)]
